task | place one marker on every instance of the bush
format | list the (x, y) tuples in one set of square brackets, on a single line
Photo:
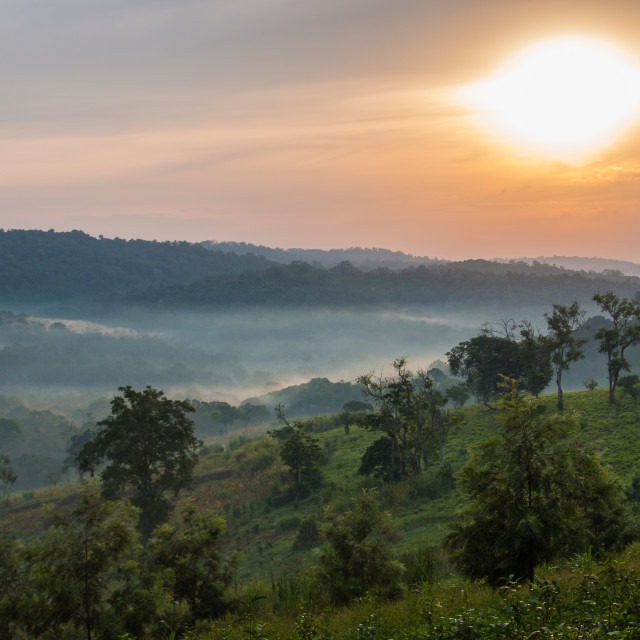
[(307, 534), (357, 557), (286, 523)]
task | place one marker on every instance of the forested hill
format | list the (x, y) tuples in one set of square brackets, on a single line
[(43, 266), (78, 271), (357, 256), (456, 285)]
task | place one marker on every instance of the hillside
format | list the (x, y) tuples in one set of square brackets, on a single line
[(244, 482), (476, 284), (359, 257), (81, 275), (45, 266)]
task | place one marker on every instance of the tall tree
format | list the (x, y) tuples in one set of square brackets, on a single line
[(408, 412), (13, 578), (149, 446), (531, 497), (76, 569), (614, 341), (535, 357), (300, 451), (566, 347), (186, 556)]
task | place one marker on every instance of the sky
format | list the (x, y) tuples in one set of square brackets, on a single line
[(294, 123)]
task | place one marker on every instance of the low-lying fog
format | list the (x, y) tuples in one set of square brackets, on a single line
[(229, 356)]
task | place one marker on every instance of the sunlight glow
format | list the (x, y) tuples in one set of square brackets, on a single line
[(563, 97)]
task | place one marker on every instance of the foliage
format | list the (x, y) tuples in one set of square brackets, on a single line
[(12, 581), (379, 460), (566, 347), (149, 446), (7, 477), (408, 410), (307, 534), (422, 564), (77, 439), (186, 555), (614, 341), (630, 385), (531, 499), (357, 556), (458, 393), (77, 573), (482, 359), (301, 452), (591, 384), (10, 431), (535, 356)]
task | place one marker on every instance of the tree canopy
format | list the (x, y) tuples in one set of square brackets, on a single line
[(408, 411), (566, 347), (147, 445), (615, 340), (532, 497)]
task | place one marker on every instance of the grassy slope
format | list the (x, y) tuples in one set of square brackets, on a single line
[(265, 533), (264, 528)]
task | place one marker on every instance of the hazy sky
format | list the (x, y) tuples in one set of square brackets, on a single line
[(299, 123)]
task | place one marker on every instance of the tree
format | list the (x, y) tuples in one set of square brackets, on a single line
[(7, 477), (225, 414), (591, 384), (458, 393), (301, 452), (357, 556), (532, 498), (630, 386), (566, 347), (482, 359), (10, 432), (353, 411), (77, 439), (614, 341), (149, 446), (76, 570), (379, 460), (408, 412), (535, 357), (12, 581), (186, 556), (254, 414)]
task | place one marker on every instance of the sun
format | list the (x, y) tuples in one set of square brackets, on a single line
[(563, 97)]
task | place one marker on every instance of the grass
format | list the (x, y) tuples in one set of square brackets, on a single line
[(248, 477), (581, 598)]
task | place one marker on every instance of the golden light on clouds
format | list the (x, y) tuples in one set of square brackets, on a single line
[(564, 97)]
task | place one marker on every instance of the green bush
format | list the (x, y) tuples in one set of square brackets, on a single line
[(286, 523)]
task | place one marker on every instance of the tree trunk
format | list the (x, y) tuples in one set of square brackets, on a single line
[(559, 383)]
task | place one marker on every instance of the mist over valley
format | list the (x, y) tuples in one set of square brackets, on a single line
[(83, 316)]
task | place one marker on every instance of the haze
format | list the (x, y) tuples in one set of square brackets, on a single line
[(301, 124)]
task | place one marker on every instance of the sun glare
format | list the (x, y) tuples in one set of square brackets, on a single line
[(564, 97)]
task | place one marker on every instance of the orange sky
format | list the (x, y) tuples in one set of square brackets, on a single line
[(289, 124)]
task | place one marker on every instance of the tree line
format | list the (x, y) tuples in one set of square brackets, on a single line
[(535, 358)]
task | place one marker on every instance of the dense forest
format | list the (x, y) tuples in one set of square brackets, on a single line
[(76, 271)]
